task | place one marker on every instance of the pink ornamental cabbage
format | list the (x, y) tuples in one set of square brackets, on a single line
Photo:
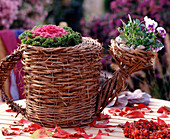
[(48, 31)]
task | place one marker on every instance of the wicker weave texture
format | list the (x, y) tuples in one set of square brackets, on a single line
[(132, 57), (62, 83)]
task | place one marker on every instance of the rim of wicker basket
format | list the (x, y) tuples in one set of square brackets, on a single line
[(132, 56)]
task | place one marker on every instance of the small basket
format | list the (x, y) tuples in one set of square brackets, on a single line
[(132, 57)]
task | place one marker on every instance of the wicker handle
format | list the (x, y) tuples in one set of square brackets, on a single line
[(111, 89), (6, 66)]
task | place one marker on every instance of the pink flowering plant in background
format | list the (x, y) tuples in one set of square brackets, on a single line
[(23, 14), (51, 36), (138, 35), (8, 12)]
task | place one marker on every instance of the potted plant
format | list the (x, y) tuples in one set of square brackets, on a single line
[(134, 49), (62, 74)]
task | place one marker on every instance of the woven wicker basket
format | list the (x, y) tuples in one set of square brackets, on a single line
[(62, 84)]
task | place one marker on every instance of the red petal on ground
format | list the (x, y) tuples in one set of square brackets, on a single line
[(23, 122), (161, 109), (109, 130), (161, 122), (122, 113), (14, 128), (135, 114), (61, 131), (164, 115), (81, 132), (127, 124), (93, 123), (98, 136), (125, 109), (100, 125), (81, 129), (34, 127), (9, 110), (80, 135), (103, 117), (103, 124), (6, 132), (113, 110), (140, 106), (58, 135)]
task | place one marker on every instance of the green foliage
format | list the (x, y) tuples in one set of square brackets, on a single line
[(70, 39), (136, 34)]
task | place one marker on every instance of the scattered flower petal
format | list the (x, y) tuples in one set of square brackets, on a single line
[(109, 130), (134, 114)]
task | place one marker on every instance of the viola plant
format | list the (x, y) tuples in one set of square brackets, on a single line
[(51, 36), (136, 34)]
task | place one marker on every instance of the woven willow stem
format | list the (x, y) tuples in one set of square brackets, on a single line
[(6, 65)]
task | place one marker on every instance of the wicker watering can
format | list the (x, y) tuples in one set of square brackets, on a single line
[(62, 84)]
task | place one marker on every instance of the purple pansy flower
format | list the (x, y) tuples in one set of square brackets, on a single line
[(150, 24), (159, 48), (161, 31)]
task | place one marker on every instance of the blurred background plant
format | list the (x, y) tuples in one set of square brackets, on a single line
[(104, 28), (8, 12), (23, 14)]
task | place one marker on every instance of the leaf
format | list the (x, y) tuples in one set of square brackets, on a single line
[(142, 25), (41, 133), (150, 40), (137, 22), (134, 114), (121, 36), (124, 24)]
